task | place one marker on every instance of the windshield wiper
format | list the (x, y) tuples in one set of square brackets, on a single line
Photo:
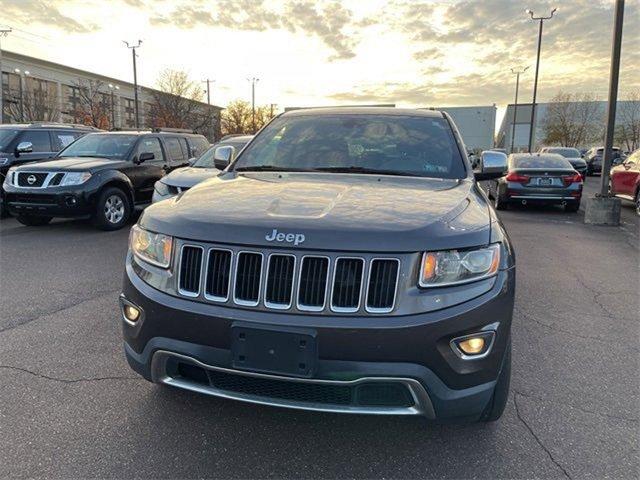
[(365, 170), (270, 168)]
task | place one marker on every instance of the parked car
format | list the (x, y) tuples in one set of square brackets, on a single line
[(103, 176), (625, 179), (594, 159), (29, 142), (540, 178), (202, 168), (573, 155), (346, 261)]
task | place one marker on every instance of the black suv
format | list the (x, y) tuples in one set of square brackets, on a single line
[(355, 266), (21, 143), (102, 176)]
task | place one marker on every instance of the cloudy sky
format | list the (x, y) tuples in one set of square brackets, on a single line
[(408, 52)]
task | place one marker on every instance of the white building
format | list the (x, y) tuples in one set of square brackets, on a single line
[(476, 124), (57, 87)]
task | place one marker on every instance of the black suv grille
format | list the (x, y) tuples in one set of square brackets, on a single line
[(248, 275), (280, 280), (382, 284), (35, 179), (347, 283), (190, 269)]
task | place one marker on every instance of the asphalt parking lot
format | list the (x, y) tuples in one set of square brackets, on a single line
[(70, 406)]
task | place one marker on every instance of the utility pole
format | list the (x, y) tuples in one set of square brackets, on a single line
[(253, 81), (208, 81), (135, 79), (3, 33), (515, 106), (614, 74), (535, 82)]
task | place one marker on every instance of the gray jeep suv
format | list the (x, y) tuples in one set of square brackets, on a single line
[(346, 261)]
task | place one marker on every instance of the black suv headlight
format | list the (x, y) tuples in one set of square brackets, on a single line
[(453, 267)]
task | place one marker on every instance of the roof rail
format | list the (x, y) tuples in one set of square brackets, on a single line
[(173, 130), (120, 129), (61, 124)]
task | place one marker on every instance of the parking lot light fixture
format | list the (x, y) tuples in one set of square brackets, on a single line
[(535, 81)]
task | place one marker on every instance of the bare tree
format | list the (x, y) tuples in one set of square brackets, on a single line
[(628, 122), (36, 102), (237, 117), (178, 103), (93, 107), (572, 120)]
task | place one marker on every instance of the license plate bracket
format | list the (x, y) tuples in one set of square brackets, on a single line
[(277, 350), (545, 182)]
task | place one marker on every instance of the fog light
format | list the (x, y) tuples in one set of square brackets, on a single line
[(474, 346), (132, 313)]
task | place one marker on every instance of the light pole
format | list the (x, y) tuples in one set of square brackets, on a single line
[(253, 81), (208, 81), (3, 33), (515, 106), (535, 82), (113, 87), (135, 79)]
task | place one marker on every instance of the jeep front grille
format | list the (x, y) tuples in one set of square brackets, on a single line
[(274, 280)]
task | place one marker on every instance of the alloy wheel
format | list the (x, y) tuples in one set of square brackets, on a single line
[(114, 209)]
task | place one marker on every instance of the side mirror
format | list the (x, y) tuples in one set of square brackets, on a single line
[(222, 156), (492, 165), (143, 157), (24, 147)]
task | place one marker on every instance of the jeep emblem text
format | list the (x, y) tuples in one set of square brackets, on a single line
[(275, 236)]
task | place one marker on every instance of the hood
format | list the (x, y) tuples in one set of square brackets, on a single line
[(187, 177), (332, 211), (73, 164)]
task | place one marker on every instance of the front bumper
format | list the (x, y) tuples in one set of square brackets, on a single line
[(69, 202), (411, 351)]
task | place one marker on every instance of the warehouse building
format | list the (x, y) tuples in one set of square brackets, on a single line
[(38, 90)]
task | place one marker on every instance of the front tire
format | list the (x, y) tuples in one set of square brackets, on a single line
[(112, 209), (572, 207), (638, 203), (499, 202), (500, 396), (33, 221)]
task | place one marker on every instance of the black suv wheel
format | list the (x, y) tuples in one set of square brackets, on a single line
[(112, 209), (32, 220)]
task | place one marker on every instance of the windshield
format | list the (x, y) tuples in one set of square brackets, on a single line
[(565, 152), (535, 161), (102, 145), (6, 135), (361, 143), (206, 159)]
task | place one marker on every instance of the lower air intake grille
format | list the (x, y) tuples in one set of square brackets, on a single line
[(347, 284), (248, 273), (280, 281), (190, 269), (382, 285), (218, 275), (313, 283)]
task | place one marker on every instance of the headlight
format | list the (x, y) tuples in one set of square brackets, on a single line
[(9, 178), (74, 178), (4, 160), (154, 248), (453, 267), (161, 188)]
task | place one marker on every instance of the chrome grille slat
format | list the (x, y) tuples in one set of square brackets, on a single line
[(248, 278), (190, 270), (382, 285), (218, 275), (280, 275), (347, 284), (313, 283)]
